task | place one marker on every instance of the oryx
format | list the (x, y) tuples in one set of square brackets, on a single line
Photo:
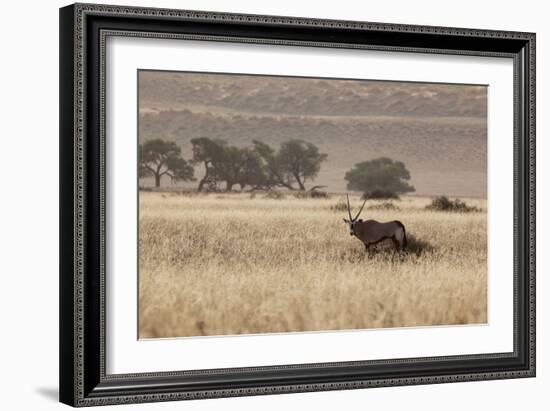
[(371, 232)]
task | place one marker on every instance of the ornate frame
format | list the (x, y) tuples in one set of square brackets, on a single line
[(83, 30)]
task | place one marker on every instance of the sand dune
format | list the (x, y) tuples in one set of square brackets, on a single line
[(438, 131)]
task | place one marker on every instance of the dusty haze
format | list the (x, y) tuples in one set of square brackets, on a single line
[(438, 130)]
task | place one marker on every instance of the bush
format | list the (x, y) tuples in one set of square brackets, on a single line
[(380, 195), (318, 194), (301, 194), (311, 194), (189, 193), (442, 203), (386, 205), (340, 206), (274, 195)]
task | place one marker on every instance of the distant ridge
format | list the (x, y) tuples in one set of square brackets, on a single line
[(439, 131)]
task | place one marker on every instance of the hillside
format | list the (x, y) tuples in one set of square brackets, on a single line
[(438, 131)]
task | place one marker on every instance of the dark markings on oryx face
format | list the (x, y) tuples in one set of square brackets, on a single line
[(371, 232)]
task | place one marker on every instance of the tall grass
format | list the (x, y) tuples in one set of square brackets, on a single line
[(236, 264)]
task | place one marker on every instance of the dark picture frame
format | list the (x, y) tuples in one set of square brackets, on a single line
[(83, 379)]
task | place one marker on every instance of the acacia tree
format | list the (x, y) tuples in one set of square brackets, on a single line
[(273, 173), (300, 161), (260, 166), (231, 166), (158, 158), (224, 163), (210, 153), (296, 162), (382, 174), (251, 172)]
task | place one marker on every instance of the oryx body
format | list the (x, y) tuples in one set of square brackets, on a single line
[(371, 232)]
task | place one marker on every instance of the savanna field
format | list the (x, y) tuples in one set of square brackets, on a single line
[(239, 263)]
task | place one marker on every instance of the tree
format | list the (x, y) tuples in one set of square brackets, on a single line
[(210, 153), (301, 161), (382, 174), (158, 158), (260, 166), (273, 173), (230, 168), (296, 162), (229, 164), (252, 172)]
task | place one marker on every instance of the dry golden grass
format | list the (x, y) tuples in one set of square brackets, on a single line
[(218, 264)]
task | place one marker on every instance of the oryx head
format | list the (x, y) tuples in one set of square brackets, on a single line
[(352, 221)]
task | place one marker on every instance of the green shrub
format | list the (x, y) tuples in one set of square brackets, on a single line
[(311, 194), (318, 194), (386, 206), (340, 206), (274, 195), (301, 194), (443, 203), (380, 195)]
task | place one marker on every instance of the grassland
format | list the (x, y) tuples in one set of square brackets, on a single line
[(218, 264)]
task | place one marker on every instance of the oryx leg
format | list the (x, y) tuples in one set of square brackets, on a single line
[(399, 239), (368, 250), (396, 243)]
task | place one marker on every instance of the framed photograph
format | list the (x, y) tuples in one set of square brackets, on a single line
[(262, 204)]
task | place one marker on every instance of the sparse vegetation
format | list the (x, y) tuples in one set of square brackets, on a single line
[(386, 205), (232, 265), (311, 194), (380, 195), (339, 207), (274, 195), (442, 203), (318, 194)]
